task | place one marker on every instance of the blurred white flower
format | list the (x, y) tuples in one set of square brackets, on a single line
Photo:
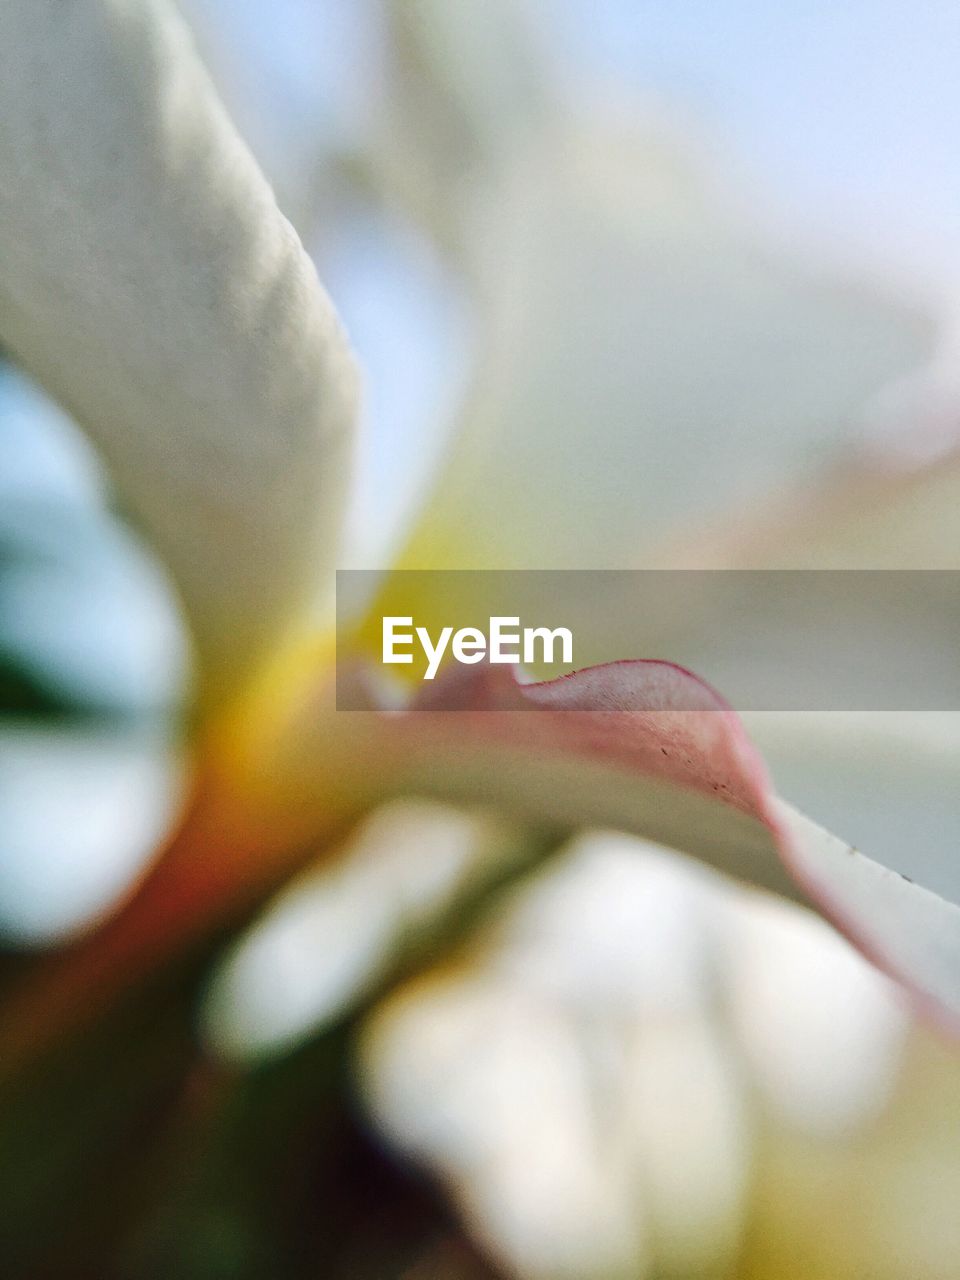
[(335, 930), (584, 1078)]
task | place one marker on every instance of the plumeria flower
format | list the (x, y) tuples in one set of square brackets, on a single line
[(150, 283)]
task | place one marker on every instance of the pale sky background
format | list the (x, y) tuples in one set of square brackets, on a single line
[(849, 113)]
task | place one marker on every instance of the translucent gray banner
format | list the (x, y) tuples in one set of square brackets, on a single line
[(768, 640)]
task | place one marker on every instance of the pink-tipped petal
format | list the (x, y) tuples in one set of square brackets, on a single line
[(910, 933), (649, 747), (643, 747)]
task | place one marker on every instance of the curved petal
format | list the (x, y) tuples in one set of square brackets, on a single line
[(148, 279), (836, 765), (647, 366), (648, 748), (647, 360), (643, 747), (907, 931)]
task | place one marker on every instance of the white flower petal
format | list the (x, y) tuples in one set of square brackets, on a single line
[(647, 361), (836, 764), (149, 281)]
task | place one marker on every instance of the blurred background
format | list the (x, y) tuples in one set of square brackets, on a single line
[(642, 284)]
